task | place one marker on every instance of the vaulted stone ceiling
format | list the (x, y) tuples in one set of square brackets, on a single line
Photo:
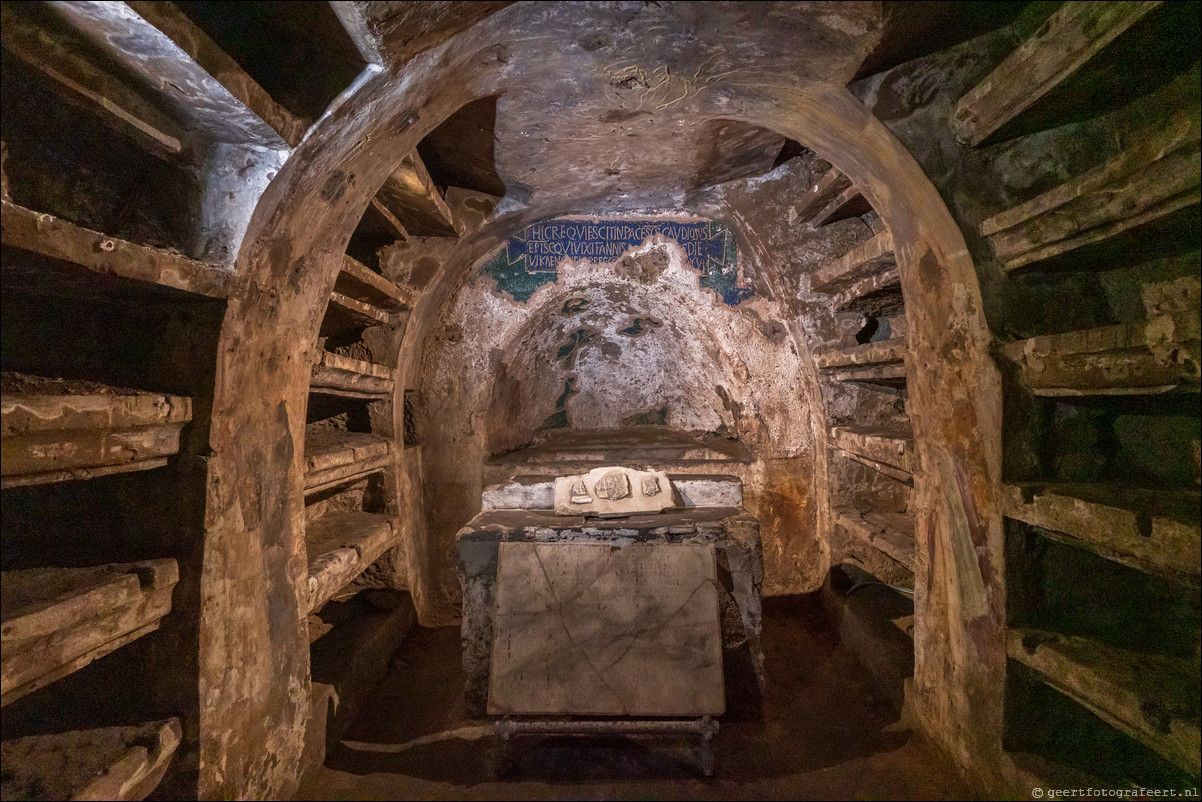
[(607, 109), (229, 204), (601, 103)]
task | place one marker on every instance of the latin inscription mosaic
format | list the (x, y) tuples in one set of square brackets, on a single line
[(532, 259)]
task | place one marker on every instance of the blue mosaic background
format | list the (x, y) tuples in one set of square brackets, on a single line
[(532, 259)]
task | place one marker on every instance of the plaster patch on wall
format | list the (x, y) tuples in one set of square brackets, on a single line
[(559, 418), (640, 326), (576, 340), (651, 417), (965, 562)]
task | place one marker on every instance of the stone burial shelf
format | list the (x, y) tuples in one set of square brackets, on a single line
[(1152, 698), (411, 196), (891, 533), (341, 546), (360, 282), (832, 198), (57, 620), (125, 762), (54, 238), (1157, 355), (1073, 35), (347, 377), (864, 280), (1150, 530), (830, 185), (867, 259), (78, 79), (208, 89), (885, 451), (379, 220), (362, 298), (847, 204), (351, 313), (55, 431), (878, 295), (333, 457), (872, 363), (1146, 182)]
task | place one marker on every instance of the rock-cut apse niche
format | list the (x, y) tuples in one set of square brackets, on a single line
[(632, 339)]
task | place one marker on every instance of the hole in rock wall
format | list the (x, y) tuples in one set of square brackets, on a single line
[(460, 151), (66, 160), (298, 51), (873, 330)]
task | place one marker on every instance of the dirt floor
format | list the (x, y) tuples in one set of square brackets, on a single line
[(822, 734)]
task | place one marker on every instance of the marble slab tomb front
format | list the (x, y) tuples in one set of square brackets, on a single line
[(604, 630), (512, 602)]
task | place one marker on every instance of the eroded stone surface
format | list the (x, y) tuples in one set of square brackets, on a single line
[(535, 492), (612, 492), (123, 762), (594, 629), (613, 486)]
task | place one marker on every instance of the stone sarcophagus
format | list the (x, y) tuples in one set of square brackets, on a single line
[(552, 601)]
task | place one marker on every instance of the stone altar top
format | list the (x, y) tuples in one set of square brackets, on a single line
[(595, 629)]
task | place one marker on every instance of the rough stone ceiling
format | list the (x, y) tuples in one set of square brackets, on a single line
[(600, 102), (611, 115)]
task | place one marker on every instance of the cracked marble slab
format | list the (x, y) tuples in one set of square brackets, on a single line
[(593, 629)]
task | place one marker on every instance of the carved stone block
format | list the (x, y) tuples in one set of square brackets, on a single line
[(613, 492), (613, 486)]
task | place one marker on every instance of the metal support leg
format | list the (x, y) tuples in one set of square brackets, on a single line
[(504, 764)]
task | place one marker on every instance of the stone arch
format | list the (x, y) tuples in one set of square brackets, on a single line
[(291, 258)]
